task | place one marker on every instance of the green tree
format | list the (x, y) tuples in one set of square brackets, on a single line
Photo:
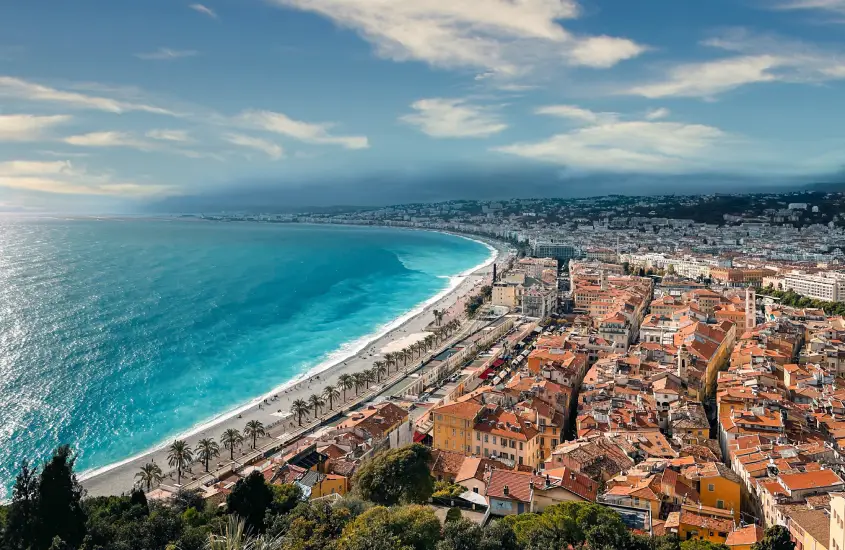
[(299, 408), (460, 535), (447, 489), (316, 403), (453, 514), (235, 537), (414, 526), (207, 449), (250, 499), (498, 536), (179, 456), (150, 474), (254, 429), (331, 393), (59, 502), (698, 544), (231, 439), (346, 381), (285, 497), (396, 475), (775, 538), (21, 522)]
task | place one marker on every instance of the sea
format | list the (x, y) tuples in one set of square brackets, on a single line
[(117, 335)]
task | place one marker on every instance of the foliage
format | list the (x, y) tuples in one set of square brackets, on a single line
[(179, 456), (250, 499), (396, 475), (311, 526), (698, 544), (776, 538), (447, 489), (571, 523), (414, 526), (21, 517), (460, 535), (453, 514), (793, 299), (235, 537), (286, 497), (59, 502)]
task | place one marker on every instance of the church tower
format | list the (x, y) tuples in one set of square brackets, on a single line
[(750, 308), (683, 363)]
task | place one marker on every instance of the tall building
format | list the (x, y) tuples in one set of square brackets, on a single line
[(750, 308), (559, 251)]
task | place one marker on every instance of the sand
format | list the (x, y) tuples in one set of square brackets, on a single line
[(274, 407)]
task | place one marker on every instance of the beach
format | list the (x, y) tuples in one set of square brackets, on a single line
[(273, 407)]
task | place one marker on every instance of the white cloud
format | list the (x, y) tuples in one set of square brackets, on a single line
[(63, 177), (505, 37), (16, 88), (180, 136), (108, 139), (279, 123), (205, 10), (28, 127), (453, 118), (657, 114), (272, 150), (602, 52), (837, 6), (575, 113), (166, 54), (758, 59), (626, 146)]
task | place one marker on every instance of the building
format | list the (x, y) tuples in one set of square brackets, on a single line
[(559, 251), (829, 286), (453, 424), (700, 522), (744, 537)]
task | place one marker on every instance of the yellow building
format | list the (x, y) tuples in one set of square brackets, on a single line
[(700, 522), (326, 484), (717, 485), (837, 521), (453, 426), (810, 529)]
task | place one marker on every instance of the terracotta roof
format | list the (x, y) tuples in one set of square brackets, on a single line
[(810, 480), (745, 536), (466, 410), (518, 485), (706, 522), (447, 462)]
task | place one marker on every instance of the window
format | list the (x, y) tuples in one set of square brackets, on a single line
[(494, 440), (554, 443), (711, 487), (520, 460), (513, 444), (440, 417), (542, 441), (478, 436), (454, 432), (511, 456), (720, 504), (520, 445), (475, 489), (485, 438)]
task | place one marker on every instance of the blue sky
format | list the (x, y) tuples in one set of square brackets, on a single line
[(103, 103)]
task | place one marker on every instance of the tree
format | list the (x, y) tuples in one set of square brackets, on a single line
[(368, 377), (775, 538), (231, 439), (460, 535), (380, 368), (346, 382), (396, 475), (453, 514), (285, 497), (498, 536), (235, 537), (150, 474), (359, 381), (299, 408), (698, 544), (206, 450), (250, 499), (22, 519), (254, 429), (414, 526), (330, 393), (316, 403), (59, 502), (179, 456)]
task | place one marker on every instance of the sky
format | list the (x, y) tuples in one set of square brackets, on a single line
[(131, 102)]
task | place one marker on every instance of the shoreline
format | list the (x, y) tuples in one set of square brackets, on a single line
[(106, 479)]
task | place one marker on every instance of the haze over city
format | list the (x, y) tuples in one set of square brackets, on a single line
[(164, 105)]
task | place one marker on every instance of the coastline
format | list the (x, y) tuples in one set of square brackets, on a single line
[(350, 357)]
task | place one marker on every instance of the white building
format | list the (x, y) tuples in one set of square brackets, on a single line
[(828, 286)]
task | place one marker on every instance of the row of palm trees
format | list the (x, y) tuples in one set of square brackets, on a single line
[(180, 455), (380, 369)]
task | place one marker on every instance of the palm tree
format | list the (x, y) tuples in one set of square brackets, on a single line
[(179, 455), (407, 354), (207, 449), (368, 377), (331, 393), (359, 381), (231, 438), (150, 475), (438, 316), (254, 429), (389, 359), (431, 340), (346, 382), (235, 537), (380, 368), (316, 403), (299, 408)]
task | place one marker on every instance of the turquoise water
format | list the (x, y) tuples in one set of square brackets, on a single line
[(117, 335)]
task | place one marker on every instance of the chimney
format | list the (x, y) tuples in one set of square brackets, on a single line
[(505, 490)]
